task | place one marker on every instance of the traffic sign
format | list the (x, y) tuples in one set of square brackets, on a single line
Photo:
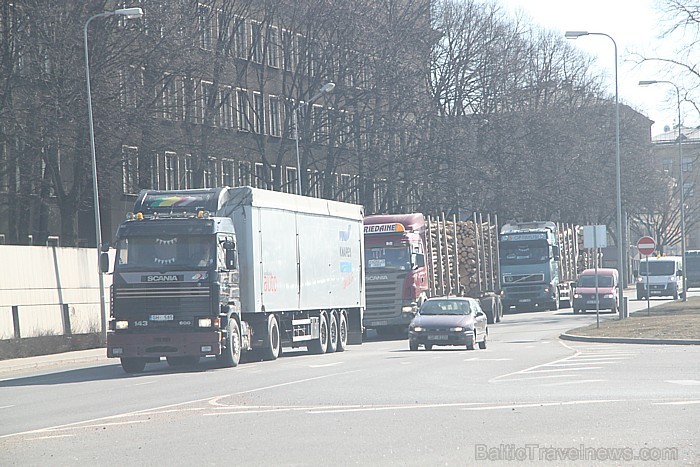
[(646, 245)]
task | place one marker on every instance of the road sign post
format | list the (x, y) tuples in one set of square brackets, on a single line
[(646, 246)]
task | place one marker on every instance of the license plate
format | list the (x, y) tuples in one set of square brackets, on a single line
[(380, 323), (591, 302), (161, 317), (439, 337), (525, 300)]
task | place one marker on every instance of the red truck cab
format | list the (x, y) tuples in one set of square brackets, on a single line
[(396, 278)]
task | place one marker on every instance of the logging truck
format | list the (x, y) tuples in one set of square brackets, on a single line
[(410, 258), (539, 262)]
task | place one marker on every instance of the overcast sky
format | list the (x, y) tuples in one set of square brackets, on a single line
[(635, 25)]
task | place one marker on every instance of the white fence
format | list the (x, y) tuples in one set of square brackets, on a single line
[(41, 287)]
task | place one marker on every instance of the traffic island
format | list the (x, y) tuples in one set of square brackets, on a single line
[(671, 323)]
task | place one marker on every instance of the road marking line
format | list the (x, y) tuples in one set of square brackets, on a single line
[(602, 362), (539, 377), (564, 383), (143, 384), (320, 410), (164, 407), (326, 365), (49, 437), (564, 369), (676, 403), (682, 382), (542, 404), (477, 359), (6, 406)]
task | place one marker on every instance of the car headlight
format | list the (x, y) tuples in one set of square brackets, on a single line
[(121, 325), (457, 329), (204, 322), (417, 329), (608, 295)]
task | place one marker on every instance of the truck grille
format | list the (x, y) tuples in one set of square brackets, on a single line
[(166, 299), (527, 291), (383, 298)]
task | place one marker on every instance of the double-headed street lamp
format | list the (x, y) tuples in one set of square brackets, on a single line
[(325, 89), (680, 173), (129, 13), (620, 236)]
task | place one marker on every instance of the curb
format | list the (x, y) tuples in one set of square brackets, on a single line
[(628, 340)]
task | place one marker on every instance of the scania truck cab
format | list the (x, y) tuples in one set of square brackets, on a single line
[(396, 278)]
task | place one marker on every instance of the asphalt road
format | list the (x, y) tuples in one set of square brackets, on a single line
[(528, 399)]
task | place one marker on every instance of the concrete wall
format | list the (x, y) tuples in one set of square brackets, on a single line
[(40, 280)]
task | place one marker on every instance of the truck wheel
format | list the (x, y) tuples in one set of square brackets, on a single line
[(319, 345), (273, 344), (232, 353), (342, 332), (332, 333), (133, 365)]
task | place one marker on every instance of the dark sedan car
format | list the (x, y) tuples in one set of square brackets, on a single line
[(448, 321)]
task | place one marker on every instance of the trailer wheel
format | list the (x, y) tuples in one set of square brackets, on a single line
[(232, 353), (342, 332), (133, 365), (273, 344), (319, 345), (332, 333)]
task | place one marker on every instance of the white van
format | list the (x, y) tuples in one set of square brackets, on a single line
[(664, 276)]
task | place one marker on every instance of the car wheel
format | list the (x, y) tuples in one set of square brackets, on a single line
[(482, 344), (428, 346), (675, 294), (471, 346), (412, 346)]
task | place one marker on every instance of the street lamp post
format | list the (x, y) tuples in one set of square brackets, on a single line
[(680, 173), (620, 236), (128, 13), (325, 89)]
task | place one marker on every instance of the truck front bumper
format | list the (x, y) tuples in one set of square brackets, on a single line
[(156, 345), (403, 319)]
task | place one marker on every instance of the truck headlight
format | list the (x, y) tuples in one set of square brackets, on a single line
[(121, 325), (204, 322), (577, 295), (408, 308)]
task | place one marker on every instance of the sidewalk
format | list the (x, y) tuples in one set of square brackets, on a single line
[(44, 361)]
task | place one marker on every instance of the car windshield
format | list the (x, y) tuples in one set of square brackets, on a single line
[(524, 252), (657, 268), (164, 252), (397, 258), (589, 281), (445, 307)]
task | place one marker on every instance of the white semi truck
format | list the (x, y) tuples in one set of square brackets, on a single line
[(223, 271)]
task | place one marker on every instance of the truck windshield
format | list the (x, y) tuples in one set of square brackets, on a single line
[(589, 281), (524, 252), (657, 268), (396, 258), (171, 253)]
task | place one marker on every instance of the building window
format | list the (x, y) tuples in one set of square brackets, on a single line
[(226, 107), (273, 51), (274, 111), (170, 106), (290, 180), (205, 27), (186, 172), (154, 172), (243, 110), (315, 183), (318, 124), (130, 169), (688, 190), (687, 165), (208, 94), (240, 42), (209, 178), (256, 42), (244, 174), (263, 176), (258, 113), (227, 173), (288, 56), (4, 164), (171, 171)]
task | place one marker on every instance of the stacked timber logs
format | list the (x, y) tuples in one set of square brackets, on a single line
[(462, 256)]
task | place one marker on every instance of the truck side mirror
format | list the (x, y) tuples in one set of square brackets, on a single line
[(231, 256), (679, 273), (104, 262), (555, 253)]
